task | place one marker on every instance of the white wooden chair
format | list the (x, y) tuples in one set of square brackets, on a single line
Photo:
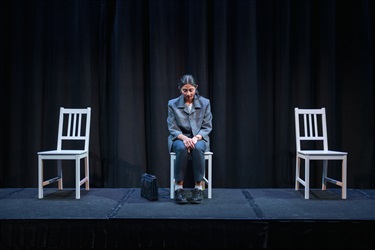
[(74, 125), (310, 125), (207, 179)]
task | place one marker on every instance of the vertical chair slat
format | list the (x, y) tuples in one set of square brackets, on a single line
[(74, 125), (79, 124), (310, 126), (305, 125)]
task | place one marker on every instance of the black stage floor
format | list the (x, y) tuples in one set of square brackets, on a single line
[(244, 218)]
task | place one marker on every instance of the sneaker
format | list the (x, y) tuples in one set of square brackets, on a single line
[(196, 196), (179, 196)]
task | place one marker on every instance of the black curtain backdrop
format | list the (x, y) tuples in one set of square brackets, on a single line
[(255, 60)]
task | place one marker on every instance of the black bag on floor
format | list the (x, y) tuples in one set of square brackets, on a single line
[(149, 188)]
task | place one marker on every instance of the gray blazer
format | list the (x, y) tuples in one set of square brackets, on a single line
[(180, 120)]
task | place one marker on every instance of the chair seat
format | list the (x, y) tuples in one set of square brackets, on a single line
[(205, 153), (322, 152), (62, 152)]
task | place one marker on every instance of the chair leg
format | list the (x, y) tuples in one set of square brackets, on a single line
[(59, 174), (40, 177), (78, 179), (172, 180), (204, 182), (343, 196), (87, 173), (324, 175), (307, 178), (298, 164), (209, 177)]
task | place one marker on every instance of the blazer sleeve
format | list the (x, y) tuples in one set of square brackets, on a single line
[(207, 121), (174, 130)]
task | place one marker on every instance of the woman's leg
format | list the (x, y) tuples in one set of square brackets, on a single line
[(198, 161), (181, 162)]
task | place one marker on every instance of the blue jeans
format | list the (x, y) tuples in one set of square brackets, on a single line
[(182, 158)]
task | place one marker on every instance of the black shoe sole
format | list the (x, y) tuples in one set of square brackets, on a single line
[(182, 202), (195, 202)]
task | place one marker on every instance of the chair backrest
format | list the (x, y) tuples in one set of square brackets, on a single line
[(74, 125), (310, 125)]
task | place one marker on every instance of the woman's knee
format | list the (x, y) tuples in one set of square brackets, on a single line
[(200, 146), (178, 146)]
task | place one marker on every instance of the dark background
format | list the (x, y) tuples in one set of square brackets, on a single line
[(255, 60)]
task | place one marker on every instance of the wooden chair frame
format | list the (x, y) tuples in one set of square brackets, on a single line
[(314, 128), (72, 129), (207, 179)]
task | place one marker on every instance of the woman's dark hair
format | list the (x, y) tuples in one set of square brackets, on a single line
[(188, 79)]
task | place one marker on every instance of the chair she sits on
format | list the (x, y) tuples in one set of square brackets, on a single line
[(310, 125), (207, 179), (74, 125)]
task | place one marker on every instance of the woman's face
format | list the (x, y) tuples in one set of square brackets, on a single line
[(188, 91)]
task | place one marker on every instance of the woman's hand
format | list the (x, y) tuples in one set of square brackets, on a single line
[(189, 142), (195, 139)]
